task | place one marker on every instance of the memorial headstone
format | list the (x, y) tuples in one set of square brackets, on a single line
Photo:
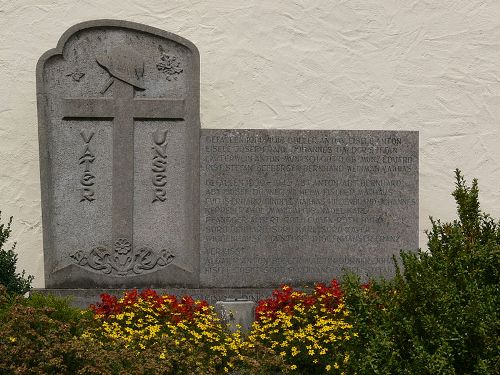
[(134, 194), (119, 128)]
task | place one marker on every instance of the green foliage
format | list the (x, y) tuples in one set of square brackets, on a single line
[(376, 350), (14, 282), (441, 315), (61, 310), (41, 340), (44, 335), (6, 301)]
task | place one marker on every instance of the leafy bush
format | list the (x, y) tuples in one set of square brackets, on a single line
[(374, 315), (14, 282), (441, 314), (310, 331), (41, 335)]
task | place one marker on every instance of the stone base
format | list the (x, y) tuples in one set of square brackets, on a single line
[(82, 298)]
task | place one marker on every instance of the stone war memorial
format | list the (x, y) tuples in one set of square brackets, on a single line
[(135, 194)]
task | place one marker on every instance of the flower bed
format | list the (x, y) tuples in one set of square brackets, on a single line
[(310, 331), (306, 333), (145, 320)]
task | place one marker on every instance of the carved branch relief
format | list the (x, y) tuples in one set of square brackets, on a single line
[(122, 259)]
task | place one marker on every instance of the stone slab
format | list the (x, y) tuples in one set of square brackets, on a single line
[(301, 206), (118, 107)]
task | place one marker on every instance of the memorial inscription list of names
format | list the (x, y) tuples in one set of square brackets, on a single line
[(303, 206)]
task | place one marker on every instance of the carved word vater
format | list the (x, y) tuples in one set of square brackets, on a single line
[(159, 166), (88, 179)]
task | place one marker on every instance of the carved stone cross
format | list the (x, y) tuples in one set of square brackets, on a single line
[(123, 109), (118, 76)]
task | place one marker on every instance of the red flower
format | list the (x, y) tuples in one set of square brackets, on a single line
[(166, 305), (107, 306), (285, 298)]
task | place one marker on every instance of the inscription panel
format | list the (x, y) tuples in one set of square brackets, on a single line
[(302, 206)]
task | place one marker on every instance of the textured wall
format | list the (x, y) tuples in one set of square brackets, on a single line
[(432, 66)]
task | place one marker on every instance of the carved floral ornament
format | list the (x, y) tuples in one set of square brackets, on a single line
[(122, 260), (169, 65)]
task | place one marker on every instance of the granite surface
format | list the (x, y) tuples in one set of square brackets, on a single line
[(283, 206), (118, 106)]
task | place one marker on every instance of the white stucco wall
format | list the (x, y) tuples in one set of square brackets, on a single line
[(432, 66)]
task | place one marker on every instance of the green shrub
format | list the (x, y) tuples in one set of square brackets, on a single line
[(33, 341), (61, 310), (14, 282), (441, 314), (42, 335), (6, 301), (373, 316)]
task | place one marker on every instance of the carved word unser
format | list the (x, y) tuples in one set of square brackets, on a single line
[(159, 165)]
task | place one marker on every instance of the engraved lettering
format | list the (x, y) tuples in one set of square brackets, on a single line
[(160, 151), (87, 195), (159, 165), (159, 180), (322, 193), (87, 158), (160, 194), (125, 72), (87, 180), (87, 136), (160, 137)]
